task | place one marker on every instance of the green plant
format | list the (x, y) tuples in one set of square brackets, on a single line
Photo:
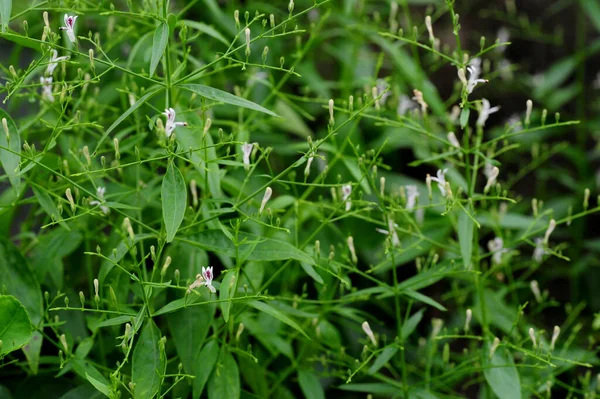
[(138, 155)]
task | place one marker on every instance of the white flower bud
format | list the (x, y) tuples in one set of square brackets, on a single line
[(468, 320), (494, 346), (429, 28), (266, 198), (555, 335), (532, 337), (367, 329), (536, 290), (529, 106), (331, 119), (352, 250), (549, 230)]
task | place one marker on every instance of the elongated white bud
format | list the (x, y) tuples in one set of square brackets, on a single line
[(453, 140), (307, 169), (491, 179), (352, 250), (128, 228), (555, 335), (536, 290), (70, 198), (532, 337), (207, 126), (586, 198), (239, 332), (63, 341), (463, 77), (247, 31), (428, 183), (382, 186), (86, 154), (266, 198), (549, 230), (429, 28), (494, 346), (468, 320), (436, 327), (367, 329), (165, 266), (194, 191), (529, 106), (96, 287), (331, 119)]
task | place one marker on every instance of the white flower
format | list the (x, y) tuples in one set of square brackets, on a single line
[(308, 163), (404, 104), (391, 229), (503, 37), (441, 181), (412, 192), (382, 86), (367, 329), (350, 241), (247, 150), (266, 197), (47, 88), (453, 140), (54, 60), (205, 278), (549, 230), (418, 97), (555, 335), (532, 337), (100, 194), (496, 246), (485, 111), (474, 70), (171, 124), (492, 175), (514, 122), (540, 250), (346, 193), (69, 26)]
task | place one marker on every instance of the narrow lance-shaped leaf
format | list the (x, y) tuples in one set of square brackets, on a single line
[(205, 362), (174, 200), (15, 330), (222, 96), (270, 310), (501, 374), (465, 237), (10, 159), (5, 10), (159, 44), (225, 380), (147, 364), (227, 290)]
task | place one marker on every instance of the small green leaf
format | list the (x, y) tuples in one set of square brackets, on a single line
[(15, 330), (464, 117), (225, 380), (225, 97), (149, 94), (189, 327), (206, 29), (383, 358), (159, 44), (147, 364), (100, 386), (253, 247), (205, 362), (501, 374), (411, 324), (592, 10), (227, 291), (48, 205), (10, 159), (5, 10), (276, 313), (312, 272), (310, 385), (465, 237), (174, 200)]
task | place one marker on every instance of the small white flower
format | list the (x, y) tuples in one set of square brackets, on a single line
[(532, 337), (352, 250), (485, 111), (468, 320), (412, 193), (391, 229), (346, 193), (454, 114), (535, 289), (47, 88), (437, 325), (418, 97), (69, 26), (494, 346), (404, 105), (205, 278), (496, 246), (171, 124), (441, 181), (367, 329), (453, 140), (549, 230), (492, 176), (429, 28), (308, 163), (514, 122), (555, 335), (54, 60), (100, 191), (540, 250), (247, 150), (503, 37), (382, 86), (474, 70), (266, 197)]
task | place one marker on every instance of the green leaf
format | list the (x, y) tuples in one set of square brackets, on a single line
[(253, 248), (312, 272), (276, 313), (310, 385), (147, 365), (10, 159), (159, 44), (100, 386), (15, 326), (189, 327), (411, 324), (206, 29), (149, 94), (48, 205), (465, 237), (225, 97), (501, 374), (225, 380), (5, 10), (464, 117), (204, 365), (592, 10), (425, 299), (174, 200), (227, 290), (383, 358)]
